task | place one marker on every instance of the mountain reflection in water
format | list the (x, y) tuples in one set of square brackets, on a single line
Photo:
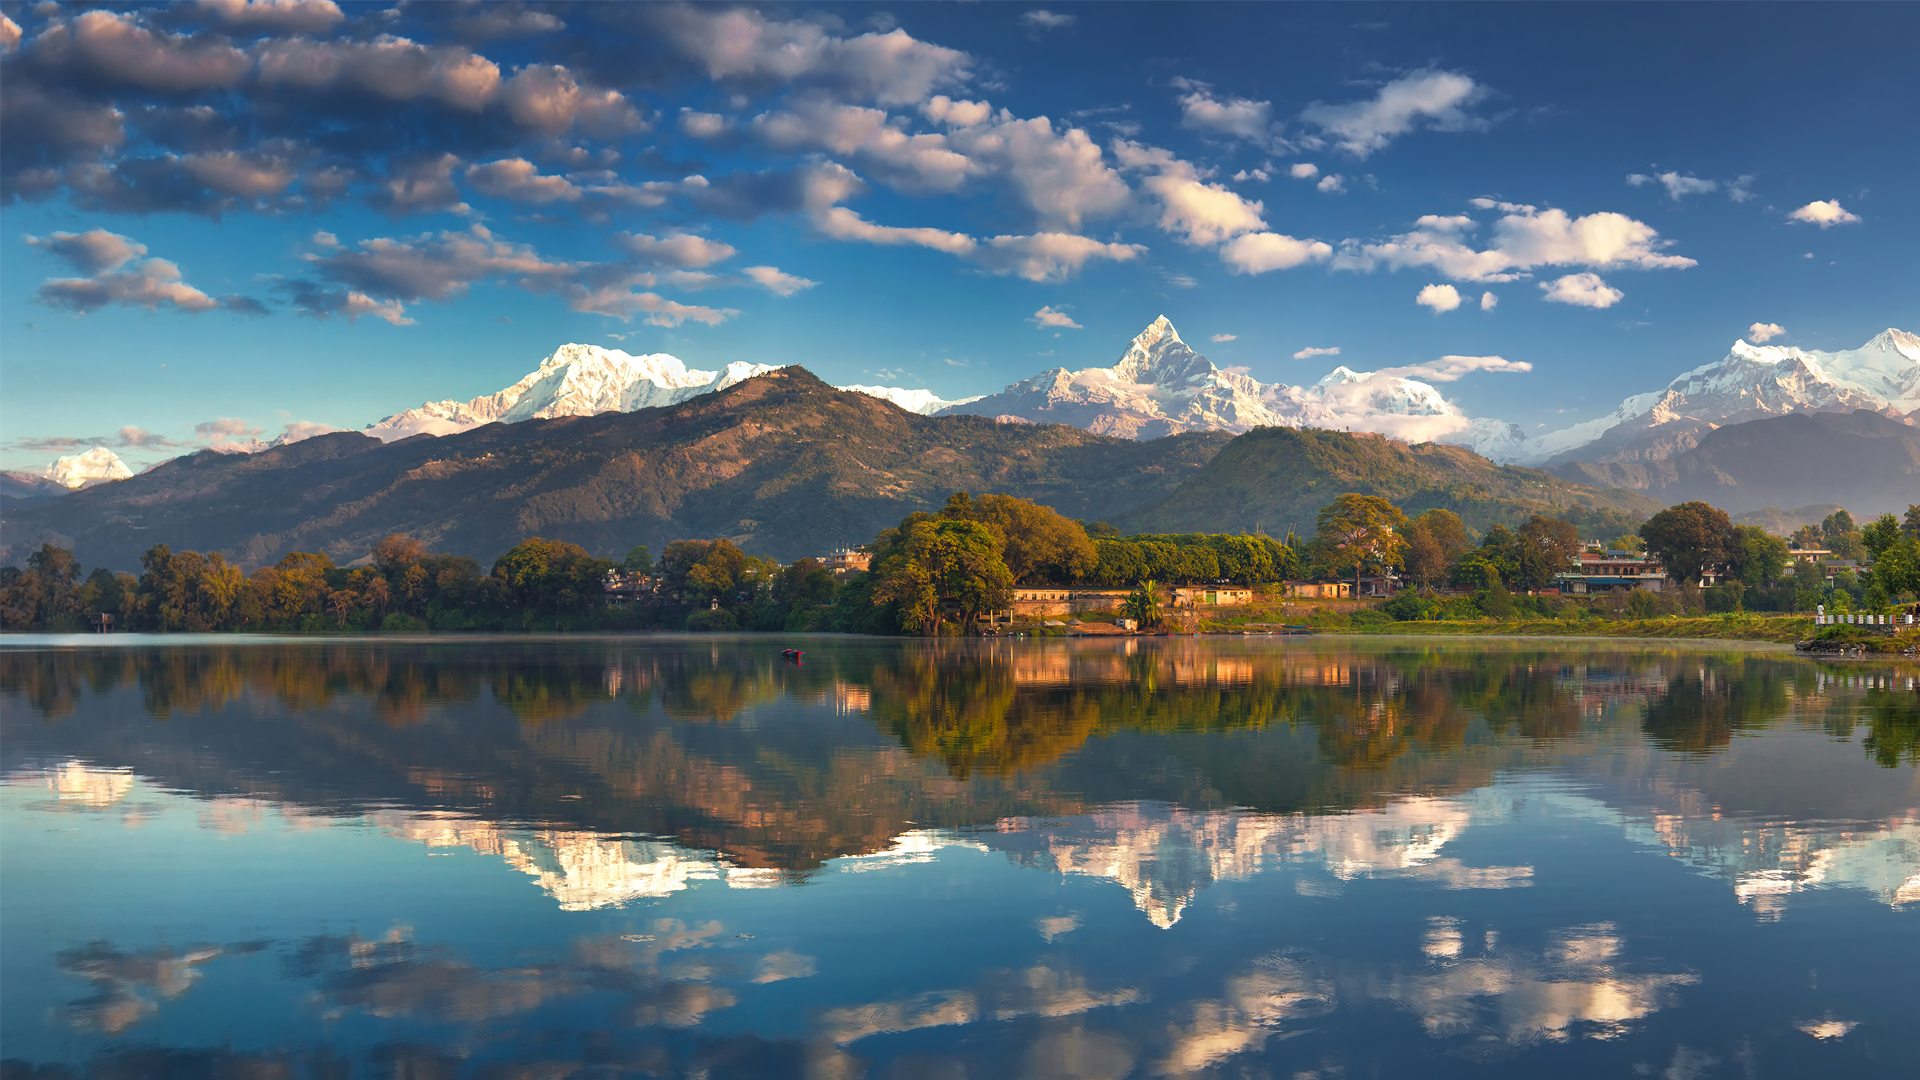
[(1154, 856)]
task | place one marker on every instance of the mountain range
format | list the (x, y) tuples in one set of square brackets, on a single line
[(583, 380), (1160, 386), (782, 463), (1751, 382)]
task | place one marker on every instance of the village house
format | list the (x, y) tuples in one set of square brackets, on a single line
[(1612, 571), (1319, 590), (847, 561)]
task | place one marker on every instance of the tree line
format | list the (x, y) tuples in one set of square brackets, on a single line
[(945, 571)]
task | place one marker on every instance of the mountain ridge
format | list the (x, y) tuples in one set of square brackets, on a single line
[(781, 463)]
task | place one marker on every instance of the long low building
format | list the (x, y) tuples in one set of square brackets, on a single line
[(1041, 601)]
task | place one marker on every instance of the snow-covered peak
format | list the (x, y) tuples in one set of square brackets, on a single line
[(1750, 382), (96, 466), (584, 380), (1340, 374), (924, 402)]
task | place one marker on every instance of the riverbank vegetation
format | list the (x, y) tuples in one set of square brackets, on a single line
[(955, 571)]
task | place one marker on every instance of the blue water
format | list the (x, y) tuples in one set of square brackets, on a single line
[(678, 856)]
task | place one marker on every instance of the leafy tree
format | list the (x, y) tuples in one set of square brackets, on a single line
[(1436, 541), (1910, 524), (1545, 547), (1039, 544), (1364, 532), (1880, 534), (1756, 556), (1841, 536), (1628, 543), (639, 560), (1688, 538), (942, 563), (1897, 569), (549, 576)]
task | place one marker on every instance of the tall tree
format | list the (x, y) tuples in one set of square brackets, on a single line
[(1547, 547), (1361, 533), (1039, 544), (1880, 534), (1688, 539), (1436, 540), (943, 563), (1756, 556)]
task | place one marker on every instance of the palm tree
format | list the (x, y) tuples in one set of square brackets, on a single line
[(1143, 605)]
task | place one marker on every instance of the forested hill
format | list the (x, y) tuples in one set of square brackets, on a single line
[(783, 464), (1274, 479)]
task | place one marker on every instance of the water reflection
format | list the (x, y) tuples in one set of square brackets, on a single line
[(1158, 857)]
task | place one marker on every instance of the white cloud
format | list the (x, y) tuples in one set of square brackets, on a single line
[(1222, 339), (1488, 301), (116, 273), (737, 44), (1523, 239), (1581, 290), (1260, 252), (1243, 118), (1312, 351), (1042, 19), (1332, 184), (1678, 185), (777, 281), (1043, 256), (1762, 332), (942, 109), (292, 16), (684, 250), (1198, 212), (924, 161), (703, 125), (520, 180), (1825, 213), (92, 251), (1260, 175), (1437, 100), (1452, 368), (1051, 318), (1438, 297), (1303, 170), (1050, 256), (841, 223)]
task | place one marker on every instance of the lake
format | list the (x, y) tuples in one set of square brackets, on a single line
[(1307, 857)]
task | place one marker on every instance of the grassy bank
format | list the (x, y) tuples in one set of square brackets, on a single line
[(1741, 626)]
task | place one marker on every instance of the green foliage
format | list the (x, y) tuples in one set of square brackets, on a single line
[(1356, 534), (1143, 605), (638, 560), (1193, 558), (1545, 547), (1038, 544), (1436, 542), (1689, 538), (1756, 556), (941, 572), (1880, 534)]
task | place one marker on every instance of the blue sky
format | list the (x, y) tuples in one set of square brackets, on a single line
[(225, 218)]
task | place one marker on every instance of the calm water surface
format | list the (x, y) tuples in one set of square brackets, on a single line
[(674, 856)]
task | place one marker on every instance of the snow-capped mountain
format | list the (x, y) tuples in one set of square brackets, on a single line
[(96, 466), (582, 380), (1751, 382), (1161, 386)]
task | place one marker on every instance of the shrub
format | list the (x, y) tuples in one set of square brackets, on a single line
[(399, 622)]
